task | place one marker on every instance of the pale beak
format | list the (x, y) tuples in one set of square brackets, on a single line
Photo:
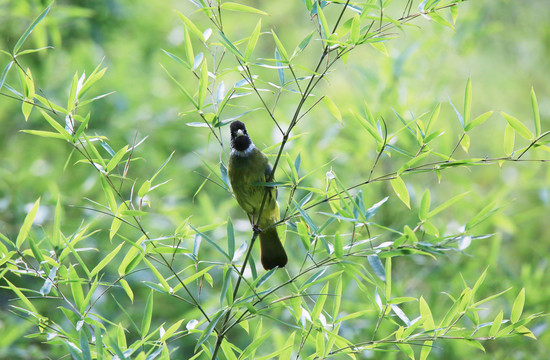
[(240, 133)]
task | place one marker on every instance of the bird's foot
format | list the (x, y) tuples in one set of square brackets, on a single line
[(256, 229)]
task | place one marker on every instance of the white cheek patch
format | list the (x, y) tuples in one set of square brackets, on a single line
[(243, 153)]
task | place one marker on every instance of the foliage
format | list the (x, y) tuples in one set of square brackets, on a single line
[(121, 263)]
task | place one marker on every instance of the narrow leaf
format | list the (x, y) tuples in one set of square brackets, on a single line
[(478, 120), (253, 40), (240, 7), (27, 223), (467, 100), (401, 191), (331, 106), (29, 30), (518, 126), (517, 308), (534, 105)]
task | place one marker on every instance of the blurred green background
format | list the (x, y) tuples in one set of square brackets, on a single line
[(503, 46)]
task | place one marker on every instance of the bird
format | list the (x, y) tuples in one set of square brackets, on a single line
[(247, 166)]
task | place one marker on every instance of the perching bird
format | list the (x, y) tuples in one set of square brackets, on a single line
[(248, 165)]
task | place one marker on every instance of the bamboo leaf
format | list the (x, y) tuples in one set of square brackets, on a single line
[(424, 205), (517, 308), (534, 105), (191, 26), (29, 30), (280, 47), (253, 40), (21, 296), (520, 128), (467, 100), (400, 190), (229, 46), (27, 223), (509, 139), (106, 260), (331, 106), (240, 7), (355, 29), (495, 327), (446, 204), (478, 120), (206, 332), (203, 84)]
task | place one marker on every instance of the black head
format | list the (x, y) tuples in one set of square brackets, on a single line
[(240, 140)]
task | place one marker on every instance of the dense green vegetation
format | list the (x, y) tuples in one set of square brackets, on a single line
[(410, 141)]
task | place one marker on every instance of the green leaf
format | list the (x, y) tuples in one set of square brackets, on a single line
[(320, 303), (302, 45), (517, 308), (189, 53), (323, 22), (331, 106), (467, 100), (192, 278), (440, 20), (45, 134), (253, 40), (534, 105), (240, 7), (171, 330), (355, 29), (206, 332), (5, 73), (280, 47), (31, 27), (116, 159), (203, 84), (183, 90), (495, 327), (158, 275), (254, 345), (478, 120), (520, 128), (412, 163), (84, 345), (106, 260), (401, 191), (509, 139), (191, 26), (60, 129), (446, 204), (230, 238), (426, 313), (27, 223), (229, 46), (424, 205), (21, 296), (388, 279), (76, 288)]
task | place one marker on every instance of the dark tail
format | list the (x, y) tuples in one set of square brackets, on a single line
[(273, 253)]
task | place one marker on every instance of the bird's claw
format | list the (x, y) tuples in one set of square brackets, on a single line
[(256, 229)]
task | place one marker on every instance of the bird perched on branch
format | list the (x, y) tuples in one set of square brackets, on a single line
[(248, 168)]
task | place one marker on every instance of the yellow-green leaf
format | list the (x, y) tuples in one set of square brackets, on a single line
[(536, 113), (518, 126), (253, 40), (21, 296), (331, 106), (27, 223), (240, 7), (517, 308), (478, 120), (401, 191), (509, 139), (191, 26)]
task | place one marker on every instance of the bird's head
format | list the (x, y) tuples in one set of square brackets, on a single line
[(240, 141)]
